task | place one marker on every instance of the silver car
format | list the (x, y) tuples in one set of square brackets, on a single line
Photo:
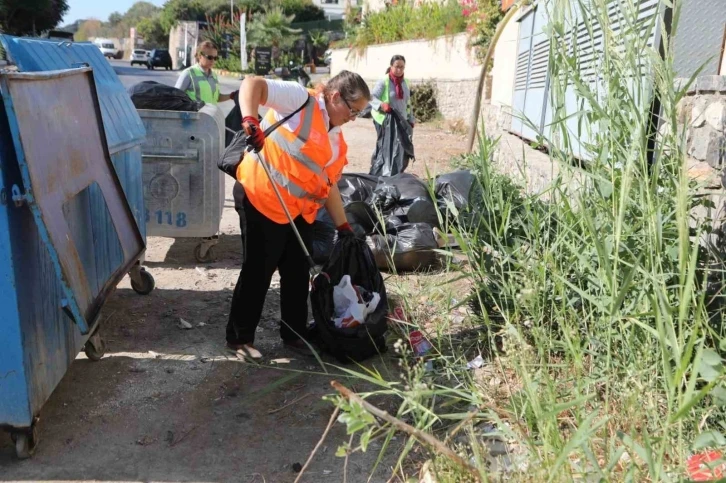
[(139, 56)]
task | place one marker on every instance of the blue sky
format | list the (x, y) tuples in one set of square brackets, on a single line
[(82, 9)]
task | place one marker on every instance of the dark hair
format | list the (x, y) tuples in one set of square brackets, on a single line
[(350, 85), (204, 46), (393, 60)]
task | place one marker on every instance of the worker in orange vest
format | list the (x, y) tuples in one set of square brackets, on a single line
[(306, 156)]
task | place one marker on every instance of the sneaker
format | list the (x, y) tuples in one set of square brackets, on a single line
[(298, 346), (245, 351)]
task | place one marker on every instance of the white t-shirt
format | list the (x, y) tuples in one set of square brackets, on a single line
[(285, 97)]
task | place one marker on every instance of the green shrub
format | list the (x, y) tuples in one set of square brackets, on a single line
[(423, 102), (232, 64), (406, 21)]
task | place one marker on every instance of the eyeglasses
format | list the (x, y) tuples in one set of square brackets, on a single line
[(211, 57), (353, 112)]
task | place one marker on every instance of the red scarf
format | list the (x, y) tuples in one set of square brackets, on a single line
[(398, 82)]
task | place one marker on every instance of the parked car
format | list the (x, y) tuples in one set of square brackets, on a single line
[(57, 35), (108, 49), (159, 58), (139, 56)]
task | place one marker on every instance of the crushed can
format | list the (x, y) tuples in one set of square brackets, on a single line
[(419, 343)]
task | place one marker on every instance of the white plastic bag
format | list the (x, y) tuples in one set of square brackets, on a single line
[(350, 308)]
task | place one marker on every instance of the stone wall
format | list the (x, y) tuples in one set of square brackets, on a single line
[(703, 112)]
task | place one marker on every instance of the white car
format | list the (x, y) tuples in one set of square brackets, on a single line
[(107, 47), (139, 56)]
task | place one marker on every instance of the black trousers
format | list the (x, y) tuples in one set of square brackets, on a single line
[(268, 246)]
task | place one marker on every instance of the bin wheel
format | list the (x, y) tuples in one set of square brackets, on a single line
[(207, 257), (25, 442), (147, 284), (95, 347)]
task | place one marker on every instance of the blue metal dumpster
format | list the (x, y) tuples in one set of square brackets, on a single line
[(124, 130), (67, 237)]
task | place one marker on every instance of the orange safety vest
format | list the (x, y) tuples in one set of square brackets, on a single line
[(300, 164)]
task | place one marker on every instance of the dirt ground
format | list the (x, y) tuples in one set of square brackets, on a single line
[(167, 404)]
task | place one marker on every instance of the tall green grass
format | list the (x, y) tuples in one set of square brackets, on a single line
[(594, 298)]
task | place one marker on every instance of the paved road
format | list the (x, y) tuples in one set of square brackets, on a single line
[(133, 75)]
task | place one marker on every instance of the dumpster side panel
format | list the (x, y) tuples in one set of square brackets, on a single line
[(14, 397), (122, 125), (77, 200), (129, 170), (62, 225), (51, 340)]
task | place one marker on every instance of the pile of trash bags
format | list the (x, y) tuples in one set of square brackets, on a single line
[(400, 217)]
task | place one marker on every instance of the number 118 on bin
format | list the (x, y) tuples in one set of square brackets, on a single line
[(167, 217)]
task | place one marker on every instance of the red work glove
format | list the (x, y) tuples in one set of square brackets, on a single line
[(345, 231), (345, 227), (255, 134), (385, 107)]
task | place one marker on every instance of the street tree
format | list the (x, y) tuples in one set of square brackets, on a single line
[(31, 17)]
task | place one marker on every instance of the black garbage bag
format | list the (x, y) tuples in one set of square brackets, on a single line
[(323, 237), (407, 196), (408, 186), (160, 97), (233, 121), (381, 246), (350, 256), (455, 188), (233, 154), (391, 224), (356, 187), (360, 217), (394, 149), (385, 198), (421, 210), (411, 248)]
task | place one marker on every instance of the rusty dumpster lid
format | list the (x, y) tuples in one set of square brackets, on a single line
[(122, 123)]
